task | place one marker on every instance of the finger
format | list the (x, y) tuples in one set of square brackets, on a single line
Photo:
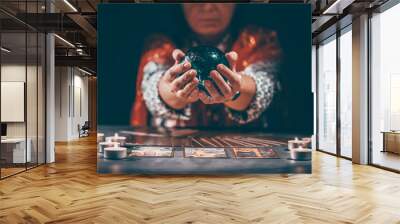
[(178, 55), (188, 89), (232, 59), (182, 80), (233, 77), (215, 96), (194, 96), (178, 69), (221, 83), (204, 98)]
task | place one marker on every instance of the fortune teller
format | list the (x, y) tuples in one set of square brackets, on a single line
[(166, 89)]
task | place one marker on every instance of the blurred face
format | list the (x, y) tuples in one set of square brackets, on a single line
[(208, 19)]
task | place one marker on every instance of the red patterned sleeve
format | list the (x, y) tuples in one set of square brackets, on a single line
[(259, 55), (256, 45), (159, 50)]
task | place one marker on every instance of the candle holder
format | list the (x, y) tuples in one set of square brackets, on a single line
[(297, 143), (106, 144), (116, 152), (301, 154), (116, 138)]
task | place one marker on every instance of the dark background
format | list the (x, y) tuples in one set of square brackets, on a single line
[(122, 31)]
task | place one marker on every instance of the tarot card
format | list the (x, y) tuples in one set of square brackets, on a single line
[(268, 153), (151, 151), (254, 153), (247, 153), (205, 152)]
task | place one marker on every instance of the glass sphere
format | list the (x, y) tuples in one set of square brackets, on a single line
[(204, 59)]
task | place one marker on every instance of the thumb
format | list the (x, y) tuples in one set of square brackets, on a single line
[(232, 59), (178, 55)]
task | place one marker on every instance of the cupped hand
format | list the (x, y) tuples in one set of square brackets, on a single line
[(224, 89), (178, 85)]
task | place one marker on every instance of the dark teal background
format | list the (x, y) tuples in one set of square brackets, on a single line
[(122, 29)]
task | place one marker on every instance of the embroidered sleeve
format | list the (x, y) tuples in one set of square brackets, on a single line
[(152, 74), (263, 75)]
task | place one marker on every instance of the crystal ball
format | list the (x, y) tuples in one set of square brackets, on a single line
[(204, 59)]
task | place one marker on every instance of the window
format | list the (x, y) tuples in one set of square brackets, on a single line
[(346, 92), (22, 77), (385, 88), (327, 95)]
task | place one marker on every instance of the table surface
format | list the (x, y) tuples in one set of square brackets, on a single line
[(182, 138)]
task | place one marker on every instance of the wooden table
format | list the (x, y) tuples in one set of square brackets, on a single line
[(181, 139)]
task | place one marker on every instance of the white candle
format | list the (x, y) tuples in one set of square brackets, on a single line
[(115, 152), (117, 138), (106, 144), (292, 144), (296, 143), (300, 153)]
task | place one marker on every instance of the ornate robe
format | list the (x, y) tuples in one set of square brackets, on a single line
[(259, 54)]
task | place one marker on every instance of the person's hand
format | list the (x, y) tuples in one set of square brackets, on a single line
[(178, 86), (227, 89)]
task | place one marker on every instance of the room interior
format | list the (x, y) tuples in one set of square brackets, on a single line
[(49, 122)]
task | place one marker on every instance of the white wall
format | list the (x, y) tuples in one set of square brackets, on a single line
[(33, 127), (71, 102), (16, 73), (80, 111), (9, 73), (61, 103)]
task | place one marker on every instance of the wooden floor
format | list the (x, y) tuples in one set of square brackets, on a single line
[(70, 191), (386, 159), (5, 172)]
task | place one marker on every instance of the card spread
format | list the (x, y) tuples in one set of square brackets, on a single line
[(253, 153), (205, 152), (144, 151)]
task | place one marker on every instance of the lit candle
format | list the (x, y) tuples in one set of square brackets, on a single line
[(296, 143), (117, 138), (106, 144), (115, 152)]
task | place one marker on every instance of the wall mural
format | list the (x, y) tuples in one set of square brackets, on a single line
[(204, 88)]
